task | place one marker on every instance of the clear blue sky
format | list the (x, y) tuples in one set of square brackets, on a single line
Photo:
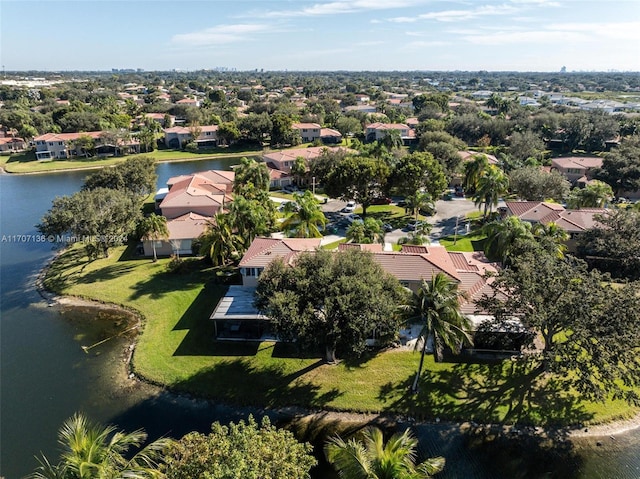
[(523, 35)]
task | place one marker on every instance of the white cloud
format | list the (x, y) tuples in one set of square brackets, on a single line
[(534, 37), (427, 44), (458, 15), (613, 30), (343, 6), (221, 34)]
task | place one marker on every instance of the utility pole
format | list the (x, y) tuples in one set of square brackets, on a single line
[(313, 185)]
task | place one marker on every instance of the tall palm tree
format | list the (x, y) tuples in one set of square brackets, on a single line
[(305, 220), (251, 172), (419, 201), (492, 184), (473, 170), (219, 241), (554, 234), (154, 228), (371, 458), (594, 195), (392, 139), (502, 236), (94, 451), (368, 231), (437, 306)]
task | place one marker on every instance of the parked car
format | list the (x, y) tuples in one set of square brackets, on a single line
[(352, 218), (331, 229), (381, 200), (386, 227), (414, 225), (290, 189), (350, 207)]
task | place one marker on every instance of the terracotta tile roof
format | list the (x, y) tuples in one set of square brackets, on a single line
[(187, 226), (468, 156), (532, 210), (67, 136), (373, 247), (196, 191), (263, 250), (579, 162), (329, 132), (290, 155), (574, 221), (215, 176), (306, 126), (387, 126), (409, 267), (460, 262)]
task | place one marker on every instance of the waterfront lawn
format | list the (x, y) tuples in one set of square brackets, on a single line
[(177, 349), (27, 163)]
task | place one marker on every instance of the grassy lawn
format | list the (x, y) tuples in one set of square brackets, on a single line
[(392, 214), (177, 349), (474, 241), (27, 163)]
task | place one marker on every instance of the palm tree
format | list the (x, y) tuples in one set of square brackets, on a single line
[(251, 172), (594, 195), (154, 228), (473, 170), (219, 241), (419, 201), (371, 458), (305, 220), (437, 306), (392, 139), (368, 231), (554, 234), (95, 451), (502, 236), (492, 184)]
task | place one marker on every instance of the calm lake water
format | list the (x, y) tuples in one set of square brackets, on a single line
[(45, 376)]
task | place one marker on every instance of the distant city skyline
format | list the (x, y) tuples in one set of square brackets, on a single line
[(315, 35)]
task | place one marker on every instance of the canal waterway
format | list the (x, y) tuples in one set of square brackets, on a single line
[(46, 375)]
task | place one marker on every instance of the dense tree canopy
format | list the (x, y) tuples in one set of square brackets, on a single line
[(136, 176), (330, 300), (589, 329), (98, 218), (418, 172), (614, 244), (358, 178), (621, 167), (239, 451), (532, 183)]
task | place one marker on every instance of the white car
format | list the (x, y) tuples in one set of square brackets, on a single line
[(350, 207)]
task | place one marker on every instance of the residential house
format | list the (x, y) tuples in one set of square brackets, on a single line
[(204, 193), (377, 131), (309, 132), (178, 136), (330, 136), (236, 318), (60, 146), (283, 160), (10, 143), (573, 221), (577, 169), (361, 98), (161, 118), (189, 102), (182, 231)]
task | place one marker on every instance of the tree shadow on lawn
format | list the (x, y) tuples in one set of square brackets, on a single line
[(508, 392), (161, 283), (242, 382)]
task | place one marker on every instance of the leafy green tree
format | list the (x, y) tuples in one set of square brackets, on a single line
[(621, 167), (532, 183), (281, 131), (418, 172), (595, 195), (306, 219), (100, 217), (392, 139), (503, 237), (436, 305), (584, 326), (239, 451), (613, 244), (94, 451), (255, 127), (348, 125), (147, 138), (371, 458), (552, 234), (252, 215), (419, 201), (357, 178), (219, 242), (136, 176), (332, 301), (492, 184), (228, 132), (154, 228), (526, 144)]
